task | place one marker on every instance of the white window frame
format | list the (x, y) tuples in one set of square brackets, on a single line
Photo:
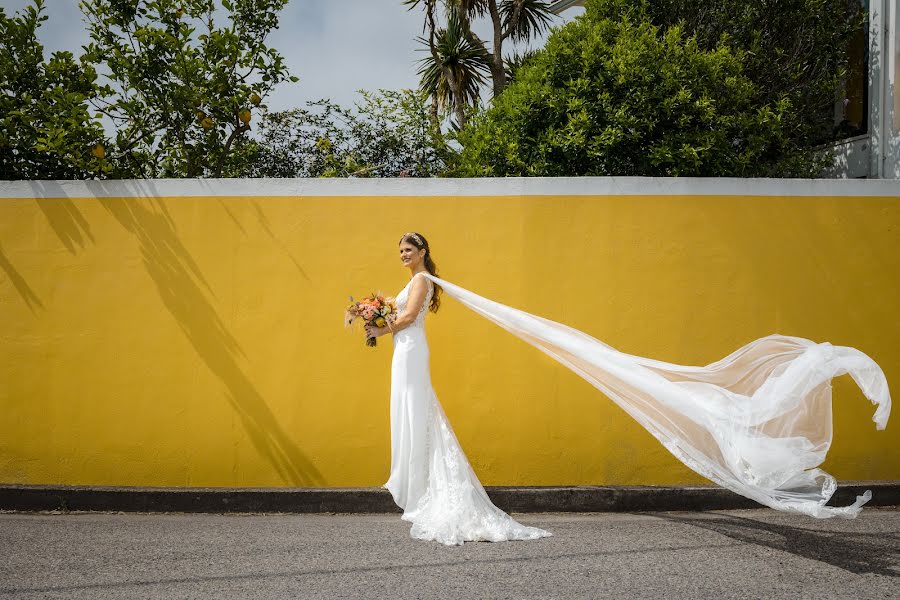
[(876, 154)]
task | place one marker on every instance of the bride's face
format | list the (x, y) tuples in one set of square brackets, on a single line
[(411, 256)]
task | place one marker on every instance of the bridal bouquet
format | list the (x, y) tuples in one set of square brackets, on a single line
[(374, 310)]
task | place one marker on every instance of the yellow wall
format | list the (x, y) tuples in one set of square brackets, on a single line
[(198, 341)]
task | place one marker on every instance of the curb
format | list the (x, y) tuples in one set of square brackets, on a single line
[(18, 497)]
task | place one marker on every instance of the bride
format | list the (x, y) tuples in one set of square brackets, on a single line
[(431, 479), (757, 422)]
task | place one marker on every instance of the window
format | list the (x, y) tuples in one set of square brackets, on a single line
[(851, 110)]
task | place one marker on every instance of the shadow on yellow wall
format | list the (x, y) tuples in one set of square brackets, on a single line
[(128, 320), (178, 279), (185, 293)]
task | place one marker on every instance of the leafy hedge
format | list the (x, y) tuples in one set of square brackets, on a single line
[(614, 94)]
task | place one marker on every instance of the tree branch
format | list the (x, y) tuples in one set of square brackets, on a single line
[(234, 133)]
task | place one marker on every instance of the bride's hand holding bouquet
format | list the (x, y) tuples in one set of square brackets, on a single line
[(378, 313)]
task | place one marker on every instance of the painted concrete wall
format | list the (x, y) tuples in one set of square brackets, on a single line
[(189, 333)]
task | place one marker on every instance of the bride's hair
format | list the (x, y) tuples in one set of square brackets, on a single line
[(418, 240)]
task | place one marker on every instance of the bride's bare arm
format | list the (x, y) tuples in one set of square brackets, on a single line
[(417, 292)]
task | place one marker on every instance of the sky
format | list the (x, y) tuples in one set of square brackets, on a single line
[(335, 47)]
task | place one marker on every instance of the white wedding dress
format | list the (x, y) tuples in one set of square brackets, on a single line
[(431, 479), (757, 422)]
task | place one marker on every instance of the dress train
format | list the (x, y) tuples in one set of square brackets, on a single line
[(757, 422)]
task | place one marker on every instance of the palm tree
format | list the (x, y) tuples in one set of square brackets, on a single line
[(456, 68), (516, 20)]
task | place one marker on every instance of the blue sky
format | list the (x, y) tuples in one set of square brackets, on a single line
[(336, 47)]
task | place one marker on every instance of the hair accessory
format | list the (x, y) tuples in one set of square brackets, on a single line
[(414, 236)]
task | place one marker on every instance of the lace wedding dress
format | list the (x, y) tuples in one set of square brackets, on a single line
[(757, 422), (431, 479)]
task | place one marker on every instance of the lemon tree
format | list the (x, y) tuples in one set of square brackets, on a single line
[(182, 92), (46, 129)]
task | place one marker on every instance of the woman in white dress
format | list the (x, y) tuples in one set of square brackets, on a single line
[(431, 479), (757, 422)]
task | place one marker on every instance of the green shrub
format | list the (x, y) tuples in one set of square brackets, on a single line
[(613, 94)]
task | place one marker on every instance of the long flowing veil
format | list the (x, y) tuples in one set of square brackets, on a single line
[(757, 422)]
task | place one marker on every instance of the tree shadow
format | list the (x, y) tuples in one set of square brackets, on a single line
[(28, 295), (185, 293), (877, 553), (264, 222), (70, 226), (232, 216), (175, 274)]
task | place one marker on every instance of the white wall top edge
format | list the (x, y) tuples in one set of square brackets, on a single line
[(500, 186)]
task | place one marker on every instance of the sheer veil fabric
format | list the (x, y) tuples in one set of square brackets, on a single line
[(431, 479), (757, 422)]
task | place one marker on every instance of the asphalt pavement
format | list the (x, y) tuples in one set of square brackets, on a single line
[(756, 553)]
